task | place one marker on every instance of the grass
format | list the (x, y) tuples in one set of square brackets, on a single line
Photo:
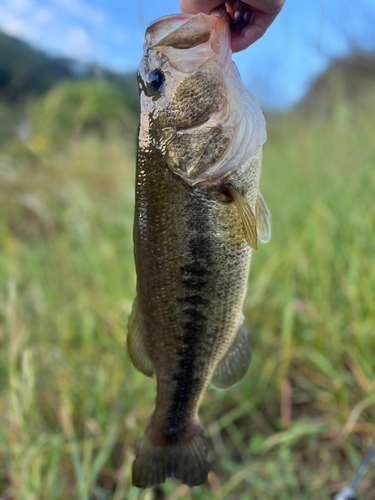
[(72, 407)]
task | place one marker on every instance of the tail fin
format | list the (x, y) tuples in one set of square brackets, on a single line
[(185, 460)]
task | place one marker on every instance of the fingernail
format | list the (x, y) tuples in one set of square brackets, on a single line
[(247, 16), (237, 16)]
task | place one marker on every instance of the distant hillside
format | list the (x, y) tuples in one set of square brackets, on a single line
[(25, 72), (346, 80)]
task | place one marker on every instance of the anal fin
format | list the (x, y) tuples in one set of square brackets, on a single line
[(263, 217), (235, 363), (136, 349)]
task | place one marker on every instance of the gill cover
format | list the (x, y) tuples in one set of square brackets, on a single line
[(202, 118)]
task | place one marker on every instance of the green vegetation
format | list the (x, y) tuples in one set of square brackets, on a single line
[(72, 407), (26, 72), (79, 107)]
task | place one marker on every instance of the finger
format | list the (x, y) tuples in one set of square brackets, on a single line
[(259, 23), (270, 6), (236, 10), (266, 6), (196, 6)]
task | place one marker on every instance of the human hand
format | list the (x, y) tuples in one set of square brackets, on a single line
[(249, 18)]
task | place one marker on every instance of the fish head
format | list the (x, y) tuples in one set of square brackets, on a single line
[(194, 107)]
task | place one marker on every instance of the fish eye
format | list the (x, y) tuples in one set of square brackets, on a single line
[(155, 79)]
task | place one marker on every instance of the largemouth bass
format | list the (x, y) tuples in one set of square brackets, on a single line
[(198, 214)]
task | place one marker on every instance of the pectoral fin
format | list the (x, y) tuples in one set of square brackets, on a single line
[(248, 218), (136, 349), (263, 217), (235, 363)]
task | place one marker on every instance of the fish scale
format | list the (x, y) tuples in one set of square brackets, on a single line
[(193, 252)]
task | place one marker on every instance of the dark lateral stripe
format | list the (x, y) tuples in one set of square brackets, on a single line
[(194, 283), (195, 300), (196, 315), (200, 247), (194, 276), (196, 269), (178, 415)]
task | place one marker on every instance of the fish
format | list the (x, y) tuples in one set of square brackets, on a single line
[(198, 215)]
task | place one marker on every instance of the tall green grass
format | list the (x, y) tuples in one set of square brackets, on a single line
[(72, 407)]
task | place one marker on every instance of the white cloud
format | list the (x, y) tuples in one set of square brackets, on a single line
[(71, 28), (82, 10), (43, 15), (21, 6), (15, 26), (60, 26), (29, 26), (79, 45)]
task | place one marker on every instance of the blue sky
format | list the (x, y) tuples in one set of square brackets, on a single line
[(278, 69)]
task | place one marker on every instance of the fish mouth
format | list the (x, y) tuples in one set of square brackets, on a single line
[(188, 42), (186, 31)]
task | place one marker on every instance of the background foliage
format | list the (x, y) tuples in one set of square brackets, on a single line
[(72, 407)]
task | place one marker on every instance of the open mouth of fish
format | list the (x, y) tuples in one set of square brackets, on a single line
[(219, 125)]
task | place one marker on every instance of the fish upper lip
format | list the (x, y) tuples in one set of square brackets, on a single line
[(220, 12), (175, 30)]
